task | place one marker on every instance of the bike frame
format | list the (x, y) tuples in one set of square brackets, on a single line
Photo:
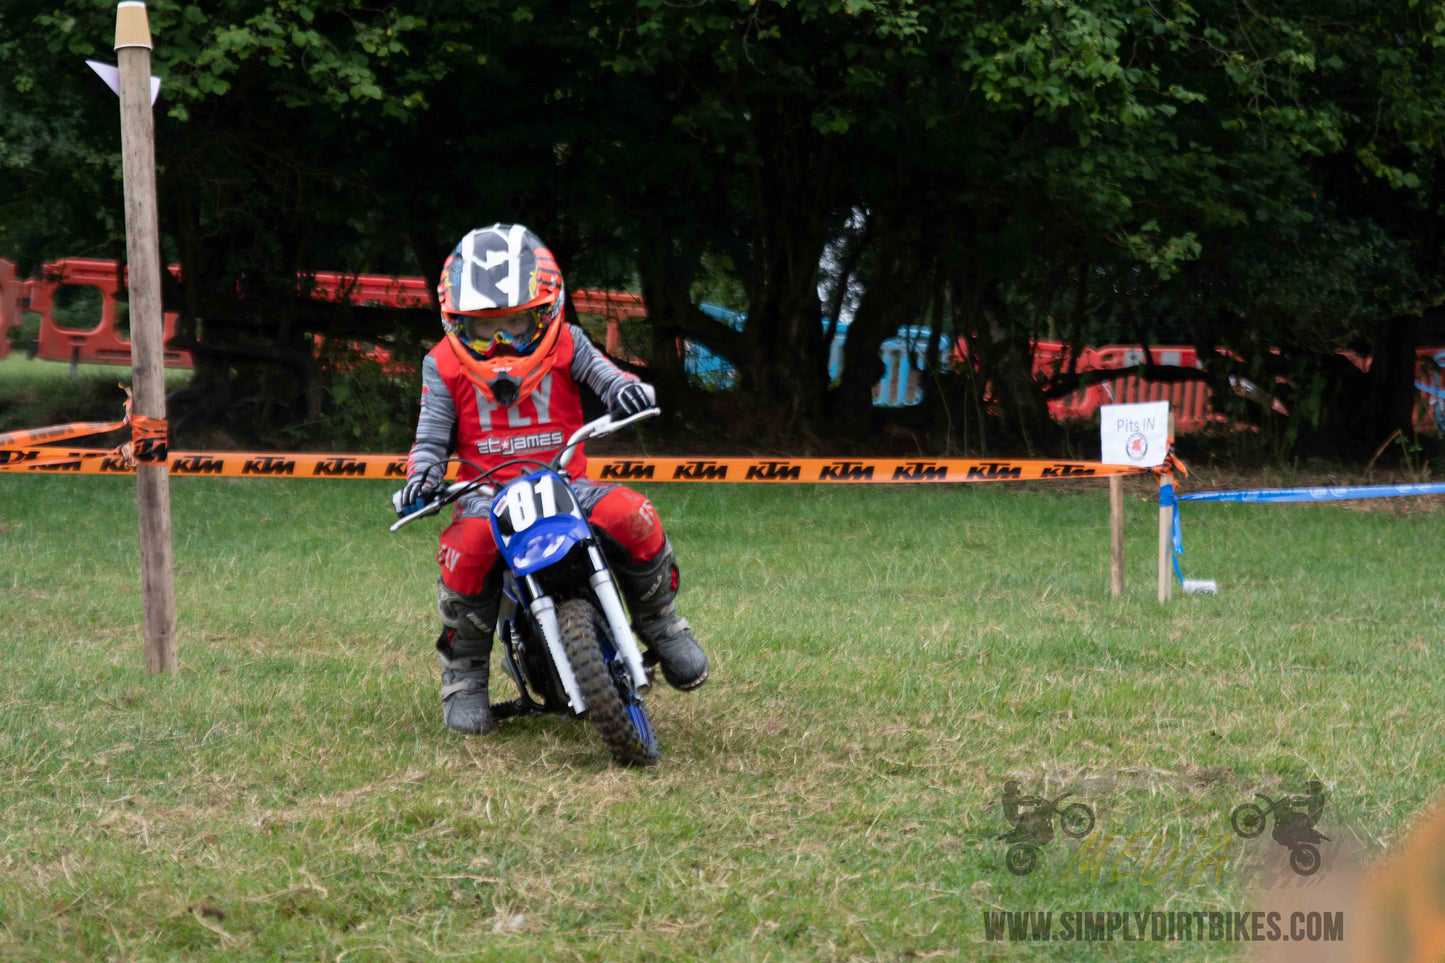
[(530, 544)]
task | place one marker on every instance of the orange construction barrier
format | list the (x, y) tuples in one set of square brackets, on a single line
[(11, 289), (1190, 400), (101, 344), (104, 345), (371, 290), (615, 307)]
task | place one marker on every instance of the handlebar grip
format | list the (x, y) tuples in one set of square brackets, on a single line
[(416, 506)]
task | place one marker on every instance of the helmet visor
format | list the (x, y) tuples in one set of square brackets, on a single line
[(517, 332)]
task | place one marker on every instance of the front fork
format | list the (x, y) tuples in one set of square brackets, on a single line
[(544, 614), (605, 589)]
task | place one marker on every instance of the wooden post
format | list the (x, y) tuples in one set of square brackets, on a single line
[(1116, 535), (1166, 522), (153, 496)]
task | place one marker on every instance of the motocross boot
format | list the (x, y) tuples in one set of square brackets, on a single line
[(650, 588), (465, 650)]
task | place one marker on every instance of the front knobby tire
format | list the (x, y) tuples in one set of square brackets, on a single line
[(580, 624)]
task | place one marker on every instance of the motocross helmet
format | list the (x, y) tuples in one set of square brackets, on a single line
[(502, 299)]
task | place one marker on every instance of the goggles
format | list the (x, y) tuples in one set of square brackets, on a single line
[(485, 334)]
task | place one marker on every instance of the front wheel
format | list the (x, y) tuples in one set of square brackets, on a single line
[(615, 710)]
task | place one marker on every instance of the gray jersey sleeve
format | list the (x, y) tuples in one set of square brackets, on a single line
[(438, 419), (591, 367)]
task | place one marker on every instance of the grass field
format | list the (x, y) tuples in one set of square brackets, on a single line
[(36, 392), (883, 659)]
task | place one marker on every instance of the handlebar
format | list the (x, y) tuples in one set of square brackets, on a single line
[(596, 428)]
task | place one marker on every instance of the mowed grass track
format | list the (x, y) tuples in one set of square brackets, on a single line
[(883, 658)]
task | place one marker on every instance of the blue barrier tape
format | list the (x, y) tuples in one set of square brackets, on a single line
[(1178, 535), (1277, 495), (1430, 389), (1167, 498)]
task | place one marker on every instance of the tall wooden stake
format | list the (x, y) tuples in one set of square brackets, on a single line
[(153, 494), (1116, 535)]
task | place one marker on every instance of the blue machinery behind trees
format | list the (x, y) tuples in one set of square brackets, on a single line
[(903, 360)]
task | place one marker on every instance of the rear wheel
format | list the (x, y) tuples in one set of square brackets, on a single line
[(1248, 820), (613, 705)]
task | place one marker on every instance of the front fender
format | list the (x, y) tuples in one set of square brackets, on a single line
[(544, 543)]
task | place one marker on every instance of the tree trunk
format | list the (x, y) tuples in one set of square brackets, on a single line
[(1392, 376), (794, 204), (893, 296), (665, 290)]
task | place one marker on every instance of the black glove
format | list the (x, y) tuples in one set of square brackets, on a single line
[(421, 486), (631, 398)]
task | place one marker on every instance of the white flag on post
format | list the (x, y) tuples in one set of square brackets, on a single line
[(110, 73), (1136, 434)]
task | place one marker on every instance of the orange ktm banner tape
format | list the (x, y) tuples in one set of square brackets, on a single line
[(874, 470), (230, 464), (20, 446), (39, 436), (147, 445), (221, 464)]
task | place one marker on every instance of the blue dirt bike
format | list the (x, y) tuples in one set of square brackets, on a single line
[(566, 639)]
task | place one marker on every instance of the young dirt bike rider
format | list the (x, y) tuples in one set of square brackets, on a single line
[(504, 384)]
